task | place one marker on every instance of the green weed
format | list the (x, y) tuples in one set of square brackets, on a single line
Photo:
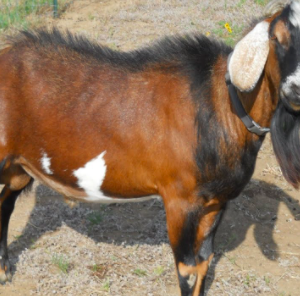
[(24, 13), (249, 279), (140, 272), (261, 2), (61, 262), (91, 17), (241, 3), (267, 280), (227, 33), (15, 14), (159, 270), (33, 244), (232, 260), (114, 258), (106, 286), (95, 218), (97, 268)]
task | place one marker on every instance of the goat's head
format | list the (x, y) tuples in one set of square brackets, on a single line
[(279, 32)]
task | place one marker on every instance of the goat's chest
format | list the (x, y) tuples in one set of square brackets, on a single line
[(225, 171)]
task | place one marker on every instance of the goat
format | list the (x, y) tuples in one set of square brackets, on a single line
[(98, 125)]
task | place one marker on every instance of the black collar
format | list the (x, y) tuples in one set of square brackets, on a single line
[(250, 124)]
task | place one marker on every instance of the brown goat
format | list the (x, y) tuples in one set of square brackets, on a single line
[(98, 125)]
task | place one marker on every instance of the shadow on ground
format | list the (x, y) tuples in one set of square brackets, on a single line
[(144, 223)]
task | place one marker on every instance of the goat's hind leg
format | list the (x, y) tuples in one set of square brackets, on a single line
[(191, 231), (7, 203), (15, 180)]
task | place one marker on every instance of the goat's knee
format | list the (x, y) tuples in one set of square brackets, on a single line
[(191, 237)]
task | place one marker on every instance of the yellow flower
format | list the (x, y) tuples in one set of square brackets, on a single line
[(228, 28), (207, 33)]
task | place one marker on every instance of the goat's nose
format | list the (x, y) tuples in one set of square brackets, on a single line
[(296, 89)]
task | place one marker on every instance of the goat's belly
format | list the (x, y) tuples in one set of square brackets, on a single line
[(108, 200), (89, 192)]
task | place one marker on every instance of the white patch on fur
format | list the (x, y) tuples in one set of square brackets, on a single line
[(90, 179), (249, 57), (46, 163), (295, 14), (91, 176), (294, 78)]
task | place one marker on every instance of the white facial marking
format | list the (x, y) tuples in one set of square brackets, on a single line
[(295, 14), (45, 161), (91, 176), (294, 78)]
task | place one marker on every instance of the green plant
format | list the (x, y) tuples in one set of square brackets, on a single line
[(16, 13), (230, 41), (97, 268), (24, 13), (241, 3), (159, 270), (91, 17), (140, 272), (33, 244), (267, 280), (249, 278), (61, 262), (227, 33), (95, 218), (106, 286), (232, 260), (261, 2)]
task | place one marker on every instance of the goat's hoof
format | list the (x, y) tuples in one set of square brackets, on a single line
[(5, 271), (5, 277)]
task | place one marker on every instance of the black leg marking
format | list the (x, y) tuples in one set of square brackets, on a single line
[(7, 199), (207, 247), (185, 250)]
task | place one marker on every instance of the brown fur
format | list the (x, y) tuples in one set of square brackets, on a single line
[(146, 121)]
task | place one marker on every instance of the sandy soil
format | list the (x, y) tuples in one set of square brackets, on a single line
[(123, 249)]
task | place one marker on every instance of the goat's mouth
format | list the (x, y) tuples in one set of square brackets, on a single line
[(291, 101), (295, 107)]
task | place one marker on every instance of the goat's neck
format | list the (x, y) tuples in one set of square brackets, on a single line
[(262, 101)]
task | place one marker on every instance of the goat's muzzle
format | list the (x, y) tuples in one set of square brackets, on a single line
[(291, 99)]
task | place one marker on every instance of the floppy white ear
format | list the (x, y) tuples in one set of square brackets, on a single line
[(249, 57)]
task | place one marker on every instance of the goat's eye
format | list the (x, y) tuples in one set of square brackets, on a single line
[(273, 37)]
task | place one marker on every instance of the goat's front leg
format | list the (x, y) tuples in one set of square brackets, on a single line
[(191, 228)]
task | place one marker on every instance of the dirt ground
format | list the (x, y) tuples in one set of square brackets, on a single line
[(123, 249)]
